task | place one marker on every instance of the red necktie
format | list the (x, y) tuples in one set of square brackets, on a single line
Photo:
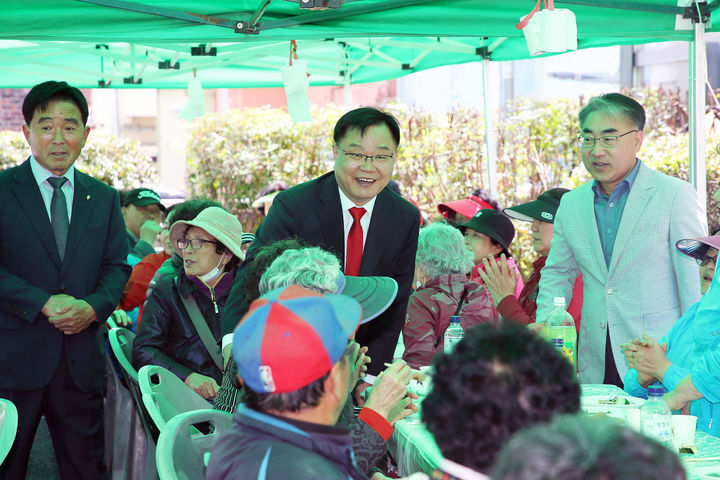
[(353, 252)]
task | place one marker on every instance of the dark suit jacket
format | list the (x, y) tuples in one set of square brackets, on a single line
[(312, 212), (94, 269)]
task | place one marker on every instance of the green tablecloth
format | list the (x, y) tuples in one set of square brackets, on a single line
[(414, 449)]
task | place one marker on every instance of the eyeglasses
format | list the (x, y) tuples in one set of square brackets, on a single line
[(706, 260), (606, 141), (195, 243), (360, 158)]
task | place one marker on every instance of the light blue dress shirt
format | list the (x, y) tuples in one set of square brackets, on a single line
[(609, 210)]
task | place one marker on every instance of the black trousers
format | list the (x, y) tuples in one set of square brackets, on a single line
[(612, 377), (75, 421)]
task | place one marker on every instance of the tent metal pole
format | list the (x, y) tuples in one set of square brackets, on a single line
[(490, 142), (347, 88), (696, 92)]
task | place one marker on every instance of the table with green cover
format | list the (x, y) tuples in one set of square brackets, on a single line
[(415, 450)]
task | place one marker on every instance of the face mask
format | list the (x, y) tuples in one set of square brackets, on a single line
[(214, 273)]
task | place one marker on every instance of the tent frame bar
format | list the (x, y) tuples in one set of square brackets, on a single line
[(165, 12)]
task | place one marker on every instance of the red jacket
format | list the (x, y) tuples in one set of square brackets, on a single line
[(429, 310), (135, 289)]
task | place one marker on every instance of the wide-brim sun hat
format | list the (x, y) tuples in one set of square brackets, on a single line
[(374, 294), (544, 208), (696, 247), (216, 221)]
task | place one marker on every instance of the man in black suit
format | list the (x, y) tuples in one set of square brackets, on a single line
[(62, 271), (318, 212)]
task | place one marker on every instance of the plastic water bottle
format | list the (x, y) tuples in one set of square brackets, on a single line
[(453, 334), (655, 417), (559, 324)]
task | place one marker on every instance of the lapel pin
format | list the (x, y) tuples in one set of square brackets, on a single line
[(87, 198)]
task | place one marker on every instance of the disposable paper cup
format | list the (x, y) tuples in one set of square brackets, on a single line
[(683, 427)]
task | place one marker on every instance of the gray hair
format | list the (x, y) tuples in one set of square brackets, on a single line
[(311, 267), (441, 250), (584, 448), (616, 105)]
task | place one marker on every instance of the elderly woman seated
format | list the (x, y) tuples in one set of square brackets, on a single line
[(441, 266), (687, 361), (182, 318)]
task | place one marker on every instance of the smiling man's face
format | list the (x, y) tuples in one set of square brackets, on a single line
[(610, 165), (361, 182), (56, 135)]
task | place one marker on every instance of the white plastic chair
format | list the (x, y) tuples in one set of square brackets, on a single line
[(8, 427), (182, 449), (121, 342), (165, 395)]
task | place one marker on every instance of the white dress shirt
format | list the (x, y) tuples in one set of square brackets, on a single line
[(46, 190), (346, 204)]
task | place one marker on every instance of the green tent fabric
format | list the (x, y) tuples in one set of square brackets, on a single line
[(123, 43)]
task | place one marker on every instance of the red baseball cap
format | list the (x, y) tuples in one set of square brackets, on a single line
[(292, 336), (466, 207)]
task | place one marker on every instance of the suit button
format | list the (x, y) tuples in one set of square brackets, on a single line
[(602, 324), (610, 291)]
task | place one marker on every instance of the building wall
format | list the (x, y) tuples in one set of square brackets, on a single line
[(11, 108)]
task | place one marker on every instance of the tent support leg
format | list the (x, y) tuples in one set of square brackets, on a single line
[(490, 141), (696, 101)]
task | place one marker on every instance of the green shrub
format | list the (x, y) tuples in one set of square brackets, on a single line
[(115, 160), (441, 156)]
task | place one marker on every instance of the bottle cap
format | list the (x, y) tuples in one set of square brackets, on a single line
[(455, 319), (656, 390), (559, 302)]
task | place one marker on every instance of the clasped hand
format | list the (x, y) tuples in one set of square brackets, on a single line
[(648, 357), (69, 314)]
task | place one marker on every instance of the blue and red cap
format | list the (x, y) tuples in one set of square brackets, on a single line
[(292, 336)]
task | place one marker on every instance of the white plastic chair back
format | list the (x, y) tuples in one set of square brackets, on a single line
[(8, 427), (182, 449), (165, 395), (121, 342)]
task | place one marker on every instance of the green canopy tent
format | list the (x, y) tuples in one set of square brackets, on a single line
[(243, 43), (159, 43)]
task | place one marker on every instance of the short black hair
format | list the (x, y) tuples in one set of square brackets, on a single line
[(577, 447), (615, 104), (189, 209), (274, 186), (306, 397), (498, 380), (42, 94), (484, 195), (257, 266), (363, 118)]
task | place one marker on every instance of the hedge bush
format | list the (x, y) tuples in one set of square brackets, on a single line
[(441, 157), (115, 160)]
